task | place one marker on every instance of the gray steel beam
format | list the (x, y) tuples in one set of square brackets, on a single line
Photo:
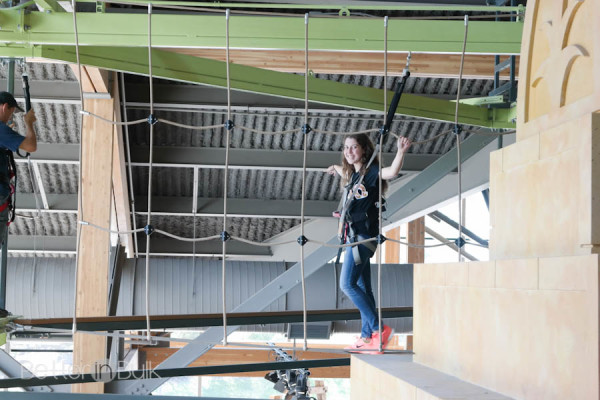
[(443, 217), (202, 157), (160, 246), (207, 207), (14, 369), (43, 91), (312, 263), (179, 156), (453, 246), (475, 177)]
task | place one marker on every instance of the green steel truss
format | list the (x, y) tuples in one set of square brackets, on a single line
[(259, 32), (119, 42)]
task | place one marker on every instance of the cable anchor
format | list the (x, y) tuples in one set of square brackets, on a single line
[(302, 240), (306, 129), (229, 125), (149, 230), (457, 130), (225, 236), (381, 239), (459, 242), (152, 120)]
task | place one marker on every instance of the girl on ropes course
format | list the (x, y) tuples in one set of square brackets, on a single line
[(360, 221)]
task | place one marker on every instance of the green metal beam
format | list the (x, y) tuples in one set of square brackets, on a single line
[(186, 68), (264, 32), (364, 6), (49, 5)]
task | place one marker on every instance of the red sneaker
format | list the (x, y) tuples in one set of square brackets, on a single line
[(363, 347), (387, 333), (359, 344)]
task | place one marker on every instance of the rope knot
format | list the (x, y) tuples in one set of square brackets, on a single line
[(381, 239), (306, 129), (302, 240), (229, 125)]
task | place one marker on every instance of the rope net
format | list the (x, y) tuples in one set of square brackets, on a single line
[(306, 130)]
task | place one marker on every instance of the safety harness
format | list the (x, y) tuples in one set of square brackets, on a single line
[(345, 228), (11, 201), (12, 183)]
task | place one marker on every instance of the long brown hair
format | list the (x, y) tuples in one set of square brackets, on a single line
[(368, 148)]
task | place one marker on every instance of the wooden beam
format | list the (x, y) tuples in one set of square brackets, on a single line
[(357, 63), (93, 260), (416, 235), (95, 80), (392, 249), (119, 178), (226, 356)]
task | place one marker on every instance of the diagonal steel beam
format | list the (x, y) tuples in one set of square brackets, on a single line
[(313, 262), (180, 67), (14, 369)]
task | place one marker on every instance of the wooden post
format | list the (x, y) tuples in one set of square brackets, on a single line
[(392, 249), (416, 235), (89, 351)]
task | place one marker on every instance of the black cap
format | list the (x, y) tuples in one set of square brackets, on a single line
[(7, 98)]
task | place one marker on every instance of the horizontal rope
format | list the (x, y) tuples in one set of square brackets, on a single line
[(419, 246), (109, 121), (261, 132), (109, 230), (184, 239), (339, 246), (345, 133), (192, 127), (263, 244)]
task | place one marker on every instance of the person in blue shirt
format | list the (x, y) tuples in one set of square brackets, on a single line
[(11, 141), (362, 222)]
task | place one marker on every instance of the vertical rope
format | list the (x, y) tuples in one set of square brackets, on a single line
[(129, 168), (149, 219), (80, 191), (225, 180), (305, 142), (385, 106), (462, 61)]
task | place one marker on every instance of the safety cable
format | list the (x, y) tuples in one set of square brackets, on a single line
[(80, 213), (129, 167), (224, 234), (460, 240), (115, 231), (110, 121), (212, 8), (380, 183), (306, 131), (151, 121)]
